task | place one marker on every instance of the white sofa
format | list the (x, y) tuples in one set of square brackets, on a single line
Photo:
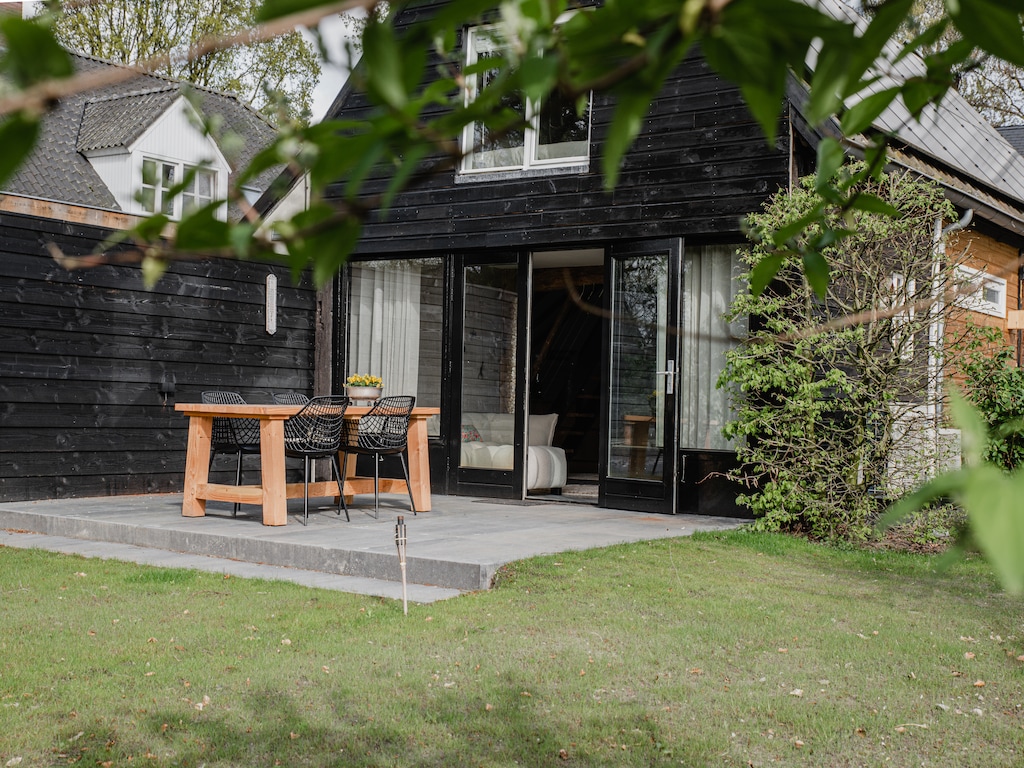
[(487, 442)]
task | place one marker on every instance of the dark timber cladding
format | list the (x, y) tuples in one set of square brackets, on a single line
[(699, 165), (93, 362)]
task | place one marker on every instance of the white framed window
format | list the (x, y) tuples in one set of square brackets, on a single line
[(981, 292), (160, 176), (902, 292), (555, 133)]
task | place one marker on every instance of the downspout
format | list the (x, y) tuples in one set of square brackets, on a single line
[(1020, 298), (937, 328)]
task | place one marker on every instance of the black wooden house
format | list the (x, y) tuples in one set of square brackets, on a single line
[(515, 288)]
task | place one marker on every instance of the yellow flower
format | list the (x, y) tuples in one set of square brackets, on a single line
[(363, 380)]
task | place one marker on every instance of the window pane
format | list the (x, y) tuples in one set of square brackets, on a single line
[(394, 327), (149, 173), (637, 397), (147, 197), (204, 185), (494, 149), (489, 367), (710, 284), (561, 133)]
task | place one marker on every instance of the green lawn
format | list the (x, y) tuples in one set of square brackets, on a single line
[(728, 650)]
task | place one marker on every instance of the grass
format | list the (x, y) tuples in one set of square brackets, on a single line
[(730, 649)]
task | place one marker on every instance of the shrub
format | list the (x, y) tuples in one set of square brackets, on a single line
[(833, 414)]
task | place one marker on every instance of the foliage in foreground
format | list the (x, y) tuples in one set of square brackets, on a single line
[(735, 650), (831, 416), (413, 81), (994, 385)]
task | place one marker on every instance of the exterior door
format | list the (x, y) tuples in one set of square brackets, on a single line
[(489, 377), (638, 461)]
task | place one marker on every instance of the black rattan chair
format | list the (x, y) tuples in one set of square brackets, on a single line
[(237, 436), (315, 433), (384, 431), (290, 398)]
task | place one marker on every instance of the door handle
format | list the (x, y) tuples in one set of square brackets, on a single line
[(670, 376)]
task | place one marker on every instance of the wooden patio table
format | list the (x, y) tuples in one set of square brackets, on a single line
[(274, 491)]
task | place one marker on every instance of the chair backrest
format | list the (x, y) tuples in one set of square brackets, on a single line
[(317, 427), (385, 427), (232, 433), (290, 398)]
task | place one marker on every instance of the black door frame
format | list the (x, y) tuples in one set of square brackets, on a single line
[(643, 494), (470, 481)]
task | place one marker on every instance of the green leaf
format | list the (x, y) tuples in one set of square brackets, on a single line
[(626, 122), (874, 204), (784, 234), (861, 115), (152, 270), (383, 61), (764, 271), (992, 26), (408, 166), (828, 83), (18, 135), (816, 272), (240, 237), (886, 20), (152, 227), (830, 159), (973, 432), (992, 500), (32, 54), (201, 230), (538, 74)]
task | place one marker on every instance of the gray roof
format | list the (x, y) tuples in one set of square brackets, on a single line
[(112, 116), (953, 139), (1013, 134), (116, 121)]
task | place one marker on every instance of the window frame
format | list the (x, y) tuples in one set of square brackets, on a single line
[(476, 42), (187, 199), (975, 300)]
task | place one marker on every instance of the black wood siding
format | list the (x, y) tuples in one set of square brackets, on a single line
[(85, 354), (700, 164)]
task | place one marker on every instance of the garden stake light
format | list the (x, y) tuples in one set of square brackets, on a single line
[(400, 539)]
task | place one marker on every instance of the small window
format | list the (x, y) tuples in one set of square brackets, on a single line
[(160, 176), (553, 132), (981, 292)]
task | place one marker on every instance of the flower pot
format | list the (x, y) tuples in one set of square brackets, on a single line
[(363, 393)]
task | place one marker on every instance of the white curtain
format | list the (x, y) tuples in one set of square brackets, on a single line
[(710, 282), (384, 324)]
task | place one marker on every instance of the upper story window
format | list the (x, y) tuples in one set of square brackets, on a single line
[(160, 176), (981, 292), (555, 134)]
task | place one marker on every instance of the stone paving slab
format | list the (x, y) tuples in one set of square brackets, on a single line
[(456, 547)]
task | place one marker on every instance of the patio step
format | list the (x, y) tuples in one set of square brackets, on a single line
[(309, 554), (415, 593)]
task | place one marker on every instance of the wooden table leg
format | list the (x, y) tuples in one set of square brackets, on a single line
[(419, 464), (275, 491), (197, 464)]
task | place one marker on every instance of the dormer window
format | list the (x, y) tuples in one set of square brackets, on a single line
[(554, 134), (160, 176)]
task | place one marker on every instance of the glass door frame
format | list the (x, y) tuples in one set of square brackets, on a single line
[(644, 494), (472, 481)]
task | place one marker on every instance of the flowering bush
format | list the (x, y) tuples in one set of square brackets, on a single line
[(363, 380)]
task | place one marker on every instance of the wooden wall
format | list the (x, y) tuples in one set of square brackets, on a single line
[(85, 355), (699, 165)]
